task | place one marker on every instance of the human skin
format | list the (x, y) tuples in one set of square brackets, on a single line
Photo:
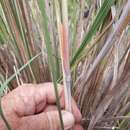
[(33, 107)]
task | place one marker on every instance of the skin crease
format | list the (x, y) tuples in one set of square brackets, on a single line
[(26, 108)]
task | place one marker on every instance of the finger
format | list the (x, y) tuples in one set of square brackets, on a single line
[(49, 91), (47, 121), (30, 99), (77, 127), (50, 108), (75, 109), (51, 99)]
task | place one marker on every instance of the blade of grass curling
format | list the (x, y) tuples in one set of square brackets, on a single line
[(41, 4), (106, 6), (64, 48)]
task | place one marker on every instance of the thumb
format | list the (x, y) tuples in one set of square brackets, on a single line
[(48, 121)]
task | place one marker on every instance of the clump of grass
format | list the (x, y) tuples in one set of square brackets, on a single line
[(88, 44)]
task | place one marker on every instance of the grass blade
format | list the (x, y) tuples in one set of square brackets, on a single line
[(41, 4), (64, 45), (106, 6)]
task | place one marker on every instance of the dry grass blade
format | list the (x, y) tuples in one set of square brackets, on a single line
[(64, 50), (119, 27), (65, 56)]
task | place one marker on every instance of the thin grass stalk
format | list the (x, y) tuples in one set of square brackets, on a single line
[(17, 78), (52, 29), (26, 18), (59, 24), (41, 4), (3, 30), (20, 23), (79, 30), (74, 20), (65, 55), (64, 50)]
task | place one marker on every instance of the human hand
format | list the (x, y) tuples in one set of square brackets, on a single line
[(33, 107)]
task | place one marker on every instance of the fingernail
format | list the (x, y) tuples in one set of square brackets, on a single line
[(68, 119)]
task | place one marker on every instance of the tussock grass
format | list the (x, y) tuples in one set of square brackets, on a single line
[(38, 41)]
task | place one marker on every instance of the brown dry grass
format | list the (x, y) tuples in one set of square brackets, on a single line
[(101, 77)]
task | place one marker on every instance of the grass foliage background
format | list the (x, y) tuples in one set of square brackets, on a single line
[(99, 52)]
